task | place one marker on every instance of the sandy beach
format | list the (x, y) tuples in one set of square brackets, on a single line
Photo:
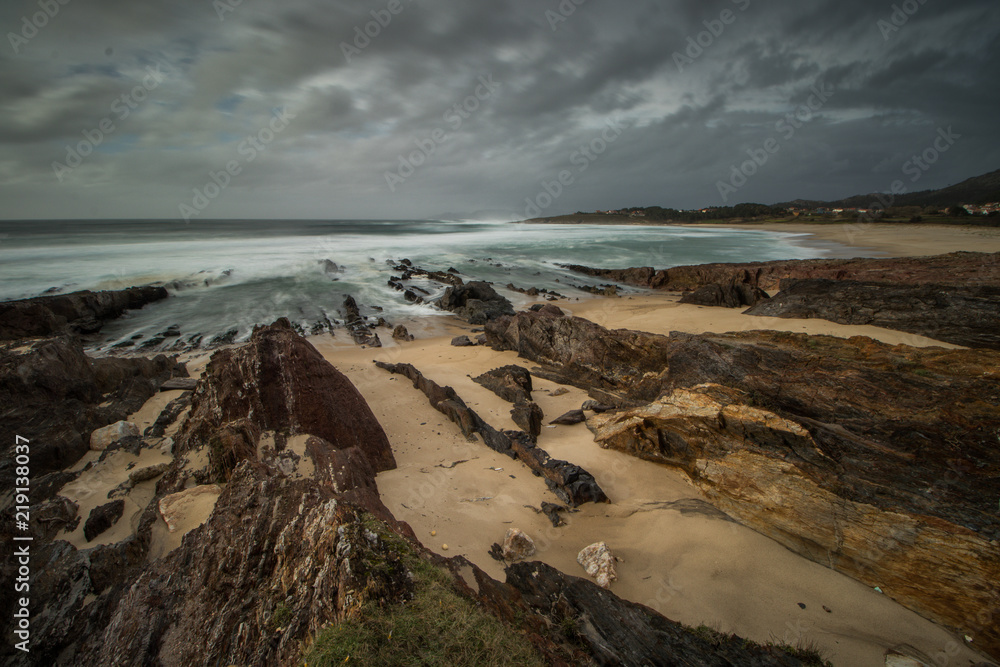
[(677, 555)]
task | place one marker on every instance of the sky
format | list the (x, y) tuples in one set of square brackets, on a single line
[(506, 109)]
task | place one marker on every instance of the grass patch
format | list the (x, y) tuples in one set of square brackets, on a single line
[(437, 627)]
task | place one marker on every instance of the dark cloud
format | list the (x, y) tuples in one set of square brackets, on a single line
[(203, 84)]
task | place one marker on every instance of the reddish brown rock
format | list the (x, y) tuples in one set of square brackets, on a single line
[(278, 382), (957, 268)]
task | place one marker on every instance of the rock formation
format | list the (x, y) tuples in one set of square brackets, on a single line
[(957, 268), (570, 482), (871, 459), (55, 396), (78, 312), (511, 383), (357, 325), (727, 295), (475, 302), (963, 315)]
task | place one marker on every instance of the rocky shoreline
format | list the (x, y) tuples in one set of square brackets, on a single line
[(878, 461)]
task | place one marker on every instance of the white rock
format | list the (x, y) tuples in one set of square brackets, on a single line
[(517, 545), (599, 563), (190, 507), (102, 437)]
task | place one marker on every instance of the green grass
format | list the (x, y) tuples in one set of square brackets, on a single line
[(437, 627)]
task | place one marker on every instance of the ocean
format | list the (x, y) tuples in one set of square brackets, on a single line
[(228, 276)]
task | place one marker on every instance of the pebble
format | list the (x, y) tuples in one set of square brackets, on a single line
[(444, 547)]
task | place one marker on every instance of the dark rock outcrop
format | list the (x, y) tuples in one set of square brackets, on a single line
[(611, 631), (571, 483), (55, 396), (78, 312), (728, 295), (103, 517), (475, 302), (462, 341), (585, 354), (400, 333), (511, 383), (966, 315), (957, 268), (529, 417), (278, 382), (357, 326)]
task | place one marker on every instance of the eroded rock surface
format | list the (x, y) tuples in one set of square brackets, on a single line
[(475, 302), (963, 315), (78, 312), (957, 268), (511, 383), (879, 461)]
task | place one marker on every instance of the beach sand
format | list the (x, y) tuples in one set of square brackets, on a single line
[(677, 555), (686, 563)]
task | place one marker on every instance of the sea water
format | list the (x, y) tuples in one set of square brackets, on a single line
[(233, 275)]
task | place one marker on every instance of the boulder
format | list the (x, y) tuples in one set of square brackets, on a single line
[(462, 341), (475, 302), (278, 382), (599, 563), (400, 333), (103, 437), (517, 545), (357, 326), (103, 517), (529, 417), (511, 383), (726, 295)]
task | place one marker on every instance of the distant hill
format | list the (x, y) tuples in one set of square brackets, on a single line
[(977, 190)]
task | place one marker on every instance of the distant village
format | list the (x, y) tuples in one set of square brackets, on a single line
[(992, 208)]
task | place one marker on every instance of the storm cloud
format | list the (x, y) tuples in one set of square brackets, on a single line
[(436, 108)]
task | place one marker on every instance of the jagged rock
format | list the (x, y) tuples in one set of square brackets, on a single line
[(102, 437), (330, 267), (570, 482), (586, 354), (599, 563), (511, 383), (82, 312), (278, 382), (103, 517), (529, 417), (176, 506), (517, 545), (963, 315), (55, 396), (400, 333), (462, 341), (475, 302), (957, 268), (225, 338), (168, 415), (570, 418), (727, 295), (357, 326)]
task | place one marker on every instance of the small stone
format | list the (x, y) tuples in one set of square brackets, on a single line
[(570, 418), (102, 437), (444, 547), (434, 533), (599, 563), (561, 391), (517, 545), (802, 606)]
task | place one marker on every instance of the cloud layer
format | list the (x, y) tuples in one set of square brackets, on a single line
[(424, 108)]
